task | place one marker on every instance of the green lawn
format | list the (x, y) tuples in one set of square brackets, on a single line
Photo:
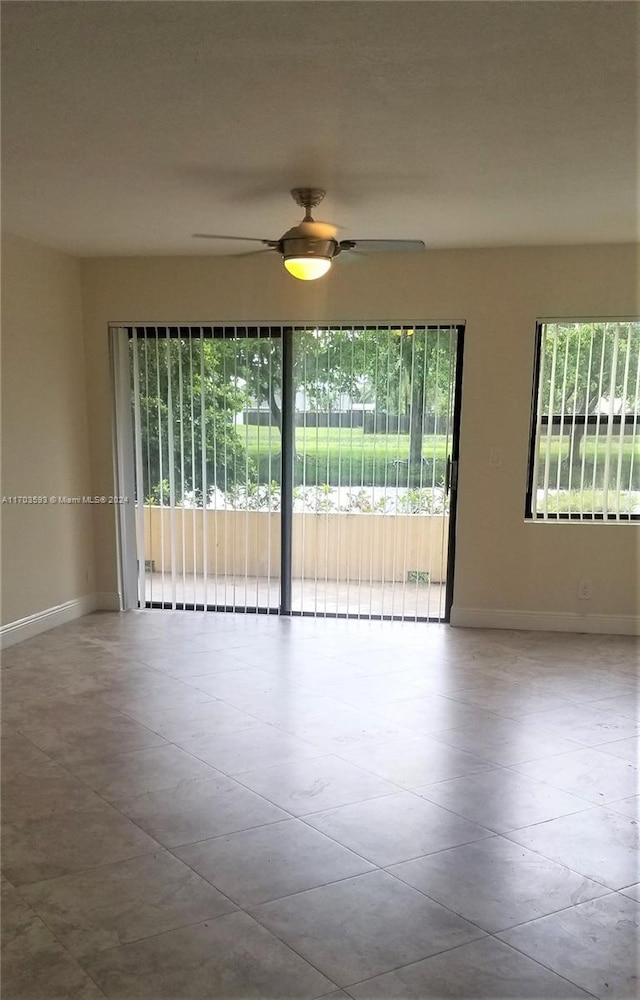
[(594, 460), (344, 456)]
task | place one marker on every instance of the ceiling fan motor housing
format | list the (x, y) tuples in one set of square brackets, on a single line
[(310, 239)]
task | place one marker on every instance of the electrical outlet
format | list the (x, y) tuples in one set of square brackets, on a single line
[(584, 590), (495, 457)]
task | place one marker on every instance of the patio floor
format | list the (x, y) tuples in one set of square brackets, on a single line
[(322, 597)]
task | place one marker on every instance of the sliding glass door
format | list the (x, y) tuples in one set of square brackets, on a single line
[(206, 416), (374, 436), (300, 470)]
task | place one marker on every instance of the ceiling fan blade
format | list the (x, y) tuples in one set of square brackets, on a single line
[(218, 236), (368, 245), (248, 253)]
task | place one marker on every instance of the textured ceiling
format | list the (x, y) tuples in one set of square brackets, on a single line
[(127, 126)]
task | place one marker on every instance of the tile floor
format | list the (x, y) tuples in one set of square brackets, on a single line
[(224, 806)]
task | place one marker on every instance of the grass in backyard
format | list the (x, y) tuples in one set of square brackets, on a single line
[(342, 456), (349, 457), (594, 456)]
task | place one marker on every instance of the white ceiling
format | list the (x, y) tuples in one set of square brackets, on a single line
[(127, 126)]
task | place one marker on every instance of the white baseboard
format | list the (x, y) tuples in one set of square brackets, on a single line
[(545, 621), (108, 602), (42, 621)]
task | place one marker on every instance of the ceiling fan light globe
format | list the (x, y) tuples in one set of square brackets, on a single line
[(307, 268)]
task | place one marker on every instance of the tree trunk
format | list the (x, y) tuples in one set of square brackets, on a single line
[(416, 429), (585, 403), (276, 415), (571, 463), (276, 418)]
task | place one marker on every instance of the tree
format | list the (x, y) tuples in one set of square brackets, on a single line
[(586, 368), (188, 394), (320, 367), (409, 371), (259, 360)]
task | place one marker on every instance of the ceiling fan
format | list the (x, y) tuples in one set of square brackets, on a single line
[(309, 248)]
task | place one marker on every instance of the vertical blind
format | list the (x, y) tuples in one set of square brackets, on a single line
[(374, 431), (195, 479), (585, 452), (371, 429)]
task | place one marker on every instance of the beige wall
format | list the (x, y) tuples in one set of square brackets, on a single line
[(47, 551), (503, 563)]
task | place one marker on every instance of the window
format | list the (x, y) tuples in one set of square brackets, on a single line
[(585, 442)]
